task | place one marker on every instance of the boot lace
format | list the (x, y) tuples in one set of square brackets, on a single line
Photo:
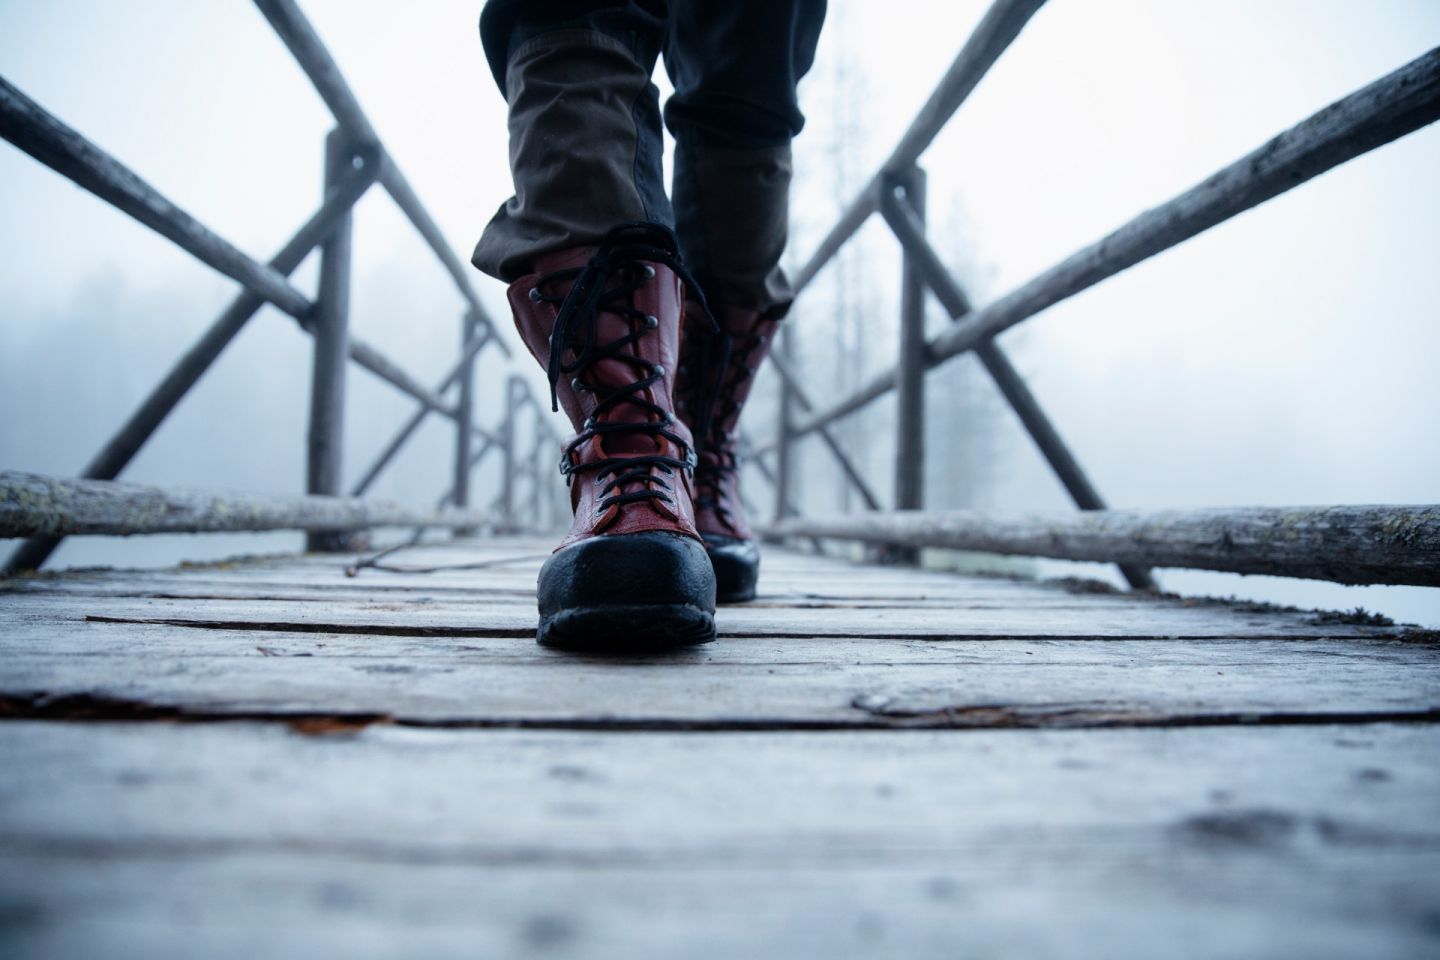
[(605, 284)]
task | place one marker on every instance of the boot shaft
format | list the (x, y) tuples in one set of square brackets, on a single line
[(605, 322), (717, 373)]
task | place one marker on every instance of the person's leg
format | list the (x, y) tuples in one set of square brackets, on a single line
[(584, 123), (597, 289), (735, 67)]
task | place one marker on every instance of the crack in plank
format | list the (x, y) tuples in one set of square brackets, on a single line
[(872, 714)]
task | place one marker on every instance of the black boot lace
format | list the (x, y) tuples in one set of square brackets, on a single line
[(605, 284)]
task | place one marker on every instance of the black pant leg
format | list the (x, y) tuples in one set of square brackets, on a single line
[(735, 66)]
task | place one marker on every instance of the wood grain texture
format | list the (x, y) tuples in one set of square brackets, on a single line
[(272, 758), (828, 644), (245, 840)]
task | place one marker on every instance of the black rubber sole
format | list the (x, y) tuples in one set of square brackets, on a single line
[(638, 592), (737, 567), (645, 628)]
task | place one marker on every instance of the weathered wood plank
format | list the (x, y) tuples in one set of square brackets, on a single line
[(819, 583), (151, 641), (518, 586), (519, 591), (255, 841), (482, 617), (980, 685), (801, 596), (478, 616)]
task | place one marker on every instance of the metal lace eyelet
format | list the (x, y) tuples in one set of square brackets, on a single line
[(649, 272), (589, 422), (651, 321), (578, 386), (658, 370), (535, 294)]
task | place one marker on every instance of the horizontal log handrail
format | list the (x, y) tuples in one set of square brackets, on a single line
[(34, 130), (1396, 104), (1344, 544), (34, 505)]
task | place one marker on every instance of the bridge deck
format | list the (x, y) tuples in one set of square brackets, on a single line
[(270, 758)]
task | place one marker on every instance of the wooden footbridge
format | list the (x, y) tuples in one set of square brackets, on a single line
[(365, 753)]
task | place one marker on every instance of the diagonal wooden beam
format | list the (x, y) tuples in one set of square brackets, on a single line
[(1396, 104)]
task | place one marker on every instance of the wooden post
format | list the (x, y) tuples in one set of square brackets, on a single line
[(331, 323), (784, 450), (508, 436), (842, 459), (926, 263), (910, 394), (464, 419), (910, 390), (537, 471)]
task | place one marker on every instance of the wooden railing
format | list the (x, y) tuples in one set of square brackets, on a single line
[(1394, 105), (1349, 544), (355, 160)]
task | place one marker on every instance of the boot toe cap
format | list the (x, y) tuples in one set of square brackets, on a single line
[(631, 592), (737, 567)]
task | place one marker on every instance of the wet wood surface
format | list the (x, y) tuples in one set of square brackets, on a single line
[(272, 758)]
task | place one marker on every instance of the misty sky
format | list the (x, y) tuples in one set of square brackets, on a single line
[(1288, 356)]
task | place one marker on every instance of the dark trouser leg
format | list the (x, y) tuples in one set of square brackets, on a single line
[(585, 143), (735, 66), (598, 300)]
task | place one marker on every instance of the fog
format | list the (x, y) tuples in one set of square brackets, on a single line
[(1285, 357)]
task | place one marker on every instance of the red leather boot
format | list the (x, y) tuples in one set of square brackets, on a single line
[(717, 369), (633, 573)]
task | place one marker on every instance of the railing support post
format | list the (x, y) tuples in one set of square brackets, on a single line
[(537, 473), (331, 322), (911, 234), (514, 395), (465, 420), (784, 462), (910, 390)]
